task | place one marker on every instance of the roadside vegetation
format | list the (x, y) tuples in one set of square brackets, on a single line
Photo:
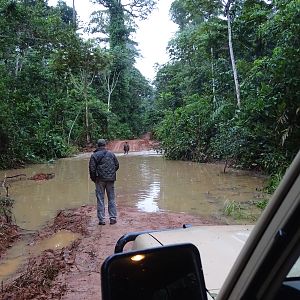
[(231, 89), (8, 231), (248, 211)]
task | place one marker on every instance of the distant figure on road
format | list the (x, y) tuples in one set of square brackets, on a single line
[(126, 148), (103, 166)]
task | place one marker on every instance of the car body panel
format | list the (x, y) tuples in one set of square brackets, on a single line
[(218, 246)]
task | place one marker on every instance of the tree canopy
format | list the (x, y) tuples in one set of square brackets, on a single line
[(196, 91), (53, 95)]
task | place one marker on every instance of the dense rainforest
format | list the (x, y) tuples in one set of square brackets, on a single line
[(230, 90), (60, 90)]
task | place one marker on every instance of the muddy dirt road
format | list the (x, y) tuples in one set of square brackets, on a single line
[(143, 144), (82, 281), (73, 272)]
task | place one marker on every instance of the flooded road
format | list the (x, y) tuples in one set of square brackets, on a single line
[(145, 180)]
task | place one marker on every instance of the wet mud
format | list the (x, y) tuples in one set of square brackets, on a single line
[(73, 272), (35, 275)]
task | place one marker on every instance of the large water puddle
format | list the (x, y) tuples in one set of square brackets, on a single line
[(144, 180)]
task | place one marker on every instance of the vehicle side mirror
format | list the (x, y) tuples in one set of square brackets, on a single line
[(166, 273)]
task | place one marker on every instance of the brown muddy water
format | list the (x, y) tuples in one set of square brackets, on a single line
[(18, 254), (145, 180)]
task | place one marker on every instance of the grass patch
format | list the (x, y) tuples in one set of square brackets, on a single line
[(232, 209), (273, 183), (249, 210), (261, 203)]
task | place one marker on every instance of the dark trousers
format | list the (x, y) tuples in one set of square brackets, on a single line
[(109, 188)]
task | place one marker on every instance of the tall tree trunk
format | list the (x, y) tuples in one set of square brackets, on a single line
[(74, 15), (17, 64), (235, 76), (88, 139), (108, 101), (234, 69), (110, 84), (82, 84), (213, 76), (87, 122)]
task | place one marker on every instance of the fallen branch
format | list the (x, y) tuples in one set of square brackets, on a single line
[(5, 184), (19, 175)]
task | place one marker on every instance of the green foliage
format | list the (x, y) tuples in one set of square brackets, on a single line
[(52, 99), (262, 204), (125, 86), (6, 202), (117, 129), (30, 128), (185, 133), (243, 210), (233, 209), (264, 134), (273, 183), (48, 145)]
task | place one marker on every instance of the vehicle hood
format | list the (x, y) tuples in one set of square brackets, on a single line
[(219, 247)]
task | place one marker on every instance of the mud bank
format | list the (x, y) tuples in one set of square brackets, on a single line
[(8, 235), (74, 271)]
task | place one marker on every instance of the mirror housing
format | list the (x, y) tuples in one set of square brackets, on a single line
[(168, 272)]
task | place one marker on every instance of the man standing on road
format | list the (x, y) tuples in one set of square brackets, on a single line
[(126, 148), (103, 166)]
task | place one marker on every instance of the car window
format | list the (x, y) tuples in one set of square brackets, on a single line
[(290, 287), (295, 271)]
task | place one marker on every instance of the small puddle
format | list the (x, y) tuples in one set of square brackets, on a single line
[(20, 252), (59, 240), (14, 258)]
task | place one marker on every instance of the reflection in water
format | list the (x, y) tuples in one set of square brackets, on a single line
[(148, 202), (200, 189), (20, 252), (148, 182), (147, 199)]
